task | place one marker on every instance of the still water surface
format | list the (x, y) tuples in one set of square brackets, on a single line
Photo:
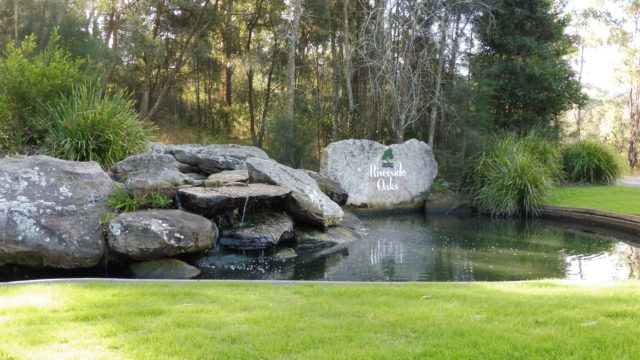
[(456, 248)]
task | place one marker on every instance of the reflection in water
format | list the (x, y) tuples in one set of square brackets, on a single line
[(450, 248)]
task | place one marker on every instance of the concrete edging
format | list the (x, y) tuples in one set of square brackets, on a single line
[(622, 222), (292, 282)]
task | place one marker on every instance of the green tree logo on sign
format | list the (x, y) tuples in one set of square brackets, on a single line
[(386, 159)]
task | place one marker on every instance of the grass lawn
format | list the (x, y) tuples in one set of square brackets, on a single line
[(620, 199), (314, 321)]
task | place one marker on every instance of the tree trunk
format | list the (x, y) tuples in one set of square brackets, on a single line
[(291, 59), (579, 110), (437, 96), (336, 88), (15, 21), (252, 116), (347, 55)]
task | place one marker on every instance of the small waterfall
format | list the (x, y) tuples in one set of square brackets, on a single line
[(178, 203), (244, 211)]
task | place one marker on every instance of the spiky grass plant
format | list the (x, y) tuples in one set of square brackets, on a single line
[(591, 162), (516, 175), (91, 125)]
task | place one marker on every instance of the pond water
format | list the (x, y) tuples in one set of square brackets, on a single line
[(412, 247)]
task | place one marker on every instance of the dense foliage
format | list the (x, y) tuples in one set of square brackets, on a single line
[(591, 162), (30, 80), (385, 70), (524, 79), (515, 175), (92, 126)]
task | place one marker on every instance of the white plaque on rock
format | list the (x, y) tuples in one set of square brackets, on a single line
[(379, 176)]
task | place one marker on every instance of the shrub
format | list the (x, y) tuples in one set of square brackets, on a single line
[(28, 80), (515, 175), (90, 125), (592, 162)]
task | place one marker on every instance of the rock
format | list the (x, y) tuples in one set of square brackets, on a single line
[(336, 237), (183, 153), (216, 158), (378, 176), (307, 202), (230, 176), (163, 269), (226, 260), (259, 232), (152, 234), (186, 153), (351, 221), (449, 202), (329, 187), (186, 169), (212, 201), (149, 173), (50, 212), (197, 176)]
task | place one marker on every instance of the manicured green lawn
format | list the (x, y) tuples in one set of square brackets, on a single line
[(315, 321), (612, 198)]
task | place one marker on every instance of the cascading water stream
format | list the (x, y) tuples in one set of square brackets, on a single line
[(244, 211)]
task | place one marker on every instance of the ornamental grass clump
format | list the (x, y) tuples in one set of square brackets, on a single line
[(93, 126), (589, 161), (516, 175)]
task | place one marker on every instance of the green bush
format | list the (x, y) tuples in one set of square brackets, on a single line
[(515, 175), (90, 125), (28, 80), (592, 162)]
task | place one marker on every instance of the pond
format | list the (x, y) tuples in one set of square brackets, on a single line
[(412, 247)]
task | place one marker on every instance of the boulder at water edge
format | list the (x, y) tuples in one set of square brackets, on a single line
[(258, 232), (379, 176), (50, 212), (307, 202), (153, 234), (163, 269)]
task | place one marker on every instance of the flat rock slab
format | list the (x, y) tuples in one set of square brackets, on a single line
[(226, 177), (307, 202), (50, 212), (211, 201), (152, 234), (219, 157), (379, 176), (259, 232), (163, 269)]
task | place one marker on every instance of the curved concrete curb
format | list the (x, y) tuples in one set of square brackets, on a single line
[(294, 282), (622, 222)]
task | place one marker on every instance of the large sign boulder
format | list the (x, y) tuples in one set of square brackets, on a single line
[(50, 212), (379, 176)]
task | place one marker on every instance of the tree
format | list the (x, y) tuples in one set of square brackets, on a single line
[(523, 79)]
